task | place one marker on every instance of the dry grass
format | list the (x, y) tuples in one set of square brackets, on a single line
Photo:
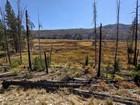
[(102, 86), (75, 51), (127, 85), (41, 97), (70, 55)]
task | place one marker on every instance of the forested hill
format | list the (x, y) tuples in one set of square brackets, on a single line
[(109, 33)]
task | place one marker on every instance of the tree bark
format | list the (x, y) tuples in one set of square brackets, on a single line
[(100, 52), (117, 38), (7, 48), (95, 32), (28, 43), (46, 62), (136, 34), (39, 38), (19, 31), (43, 84)]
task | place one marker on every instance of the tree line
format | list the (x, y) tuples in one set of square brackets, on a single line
[(12, 31)]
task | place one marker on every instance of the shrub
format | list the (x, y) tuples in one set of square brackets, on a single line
[(28, 75), (117, 65), (109, 102), (107, 69), (38, 64), (15, 63), (137, 67), (68, 65), (102, 86)]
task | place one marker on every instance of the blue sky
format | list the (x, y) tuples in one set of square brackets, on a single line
[(65, 14)]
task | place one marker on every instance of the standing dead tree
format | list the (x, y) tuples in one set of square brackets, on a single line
[(117, 38), (136, 35), (28, 40), (100, 53), (95, 32), (19, 30), (46, 62), (130, 42), (39, 26)]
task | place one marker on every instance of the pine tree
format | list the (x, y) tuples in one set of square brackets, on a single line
[(4, 31), (11, 22)]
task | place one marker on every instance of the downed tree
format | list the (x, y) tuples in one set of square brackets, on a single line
[(43, 84), (7, 74), (137, 80), (102, 95)]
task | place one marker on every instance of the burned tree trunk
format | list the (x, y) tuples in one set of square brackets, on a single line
[(100, 52), (19, 31), (117, 38), (46, 62), (39, 25), (136, 35), (43, 84), (28, 41), (95, 32)]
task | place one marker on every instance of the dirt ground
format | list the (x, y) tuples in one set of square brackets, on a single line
[(15, 95)]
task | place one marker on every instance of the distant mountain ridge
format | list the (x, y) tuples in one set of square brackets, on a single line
[(109, 33)]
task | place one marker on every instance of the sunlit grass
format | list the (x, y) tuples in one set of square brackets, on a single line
[(73, 51)]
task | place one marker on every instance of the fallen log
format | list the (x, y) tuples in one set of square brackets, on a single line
[(101, 95), (137, 80), (8, 74), (4, 67), (43, 84)]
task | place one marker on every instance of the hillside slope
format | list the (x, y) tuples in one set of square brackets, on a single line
[(109, 32)]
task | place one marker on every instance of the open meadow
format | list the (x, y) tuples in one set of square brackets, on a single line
[(72, 54), (68, 61)]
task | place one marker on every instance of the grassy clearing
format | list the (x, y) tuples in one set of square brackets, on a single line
[(73, 52)]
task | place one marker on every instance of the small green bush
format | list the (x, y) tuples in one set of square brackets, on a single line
[(38, 64), (15, 63), (138, 67), (107, 69), (117, 66), (109, 102)]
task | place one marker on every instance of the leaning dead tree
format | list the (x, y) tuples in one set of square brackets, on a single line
[(136, 35), (28, 41), (100, 53), (117, 37), (95, 32)]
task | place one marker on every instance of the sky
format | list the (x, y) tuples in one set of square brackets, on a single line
[(68, 14)]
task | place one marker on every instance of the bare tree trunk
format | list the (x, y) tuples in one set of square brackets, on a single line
[(117, 40), (19, 30), (136, 34), (39, 37), (100, 52), (95, 32), (28, 43), (46, 62), (7, 48)]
